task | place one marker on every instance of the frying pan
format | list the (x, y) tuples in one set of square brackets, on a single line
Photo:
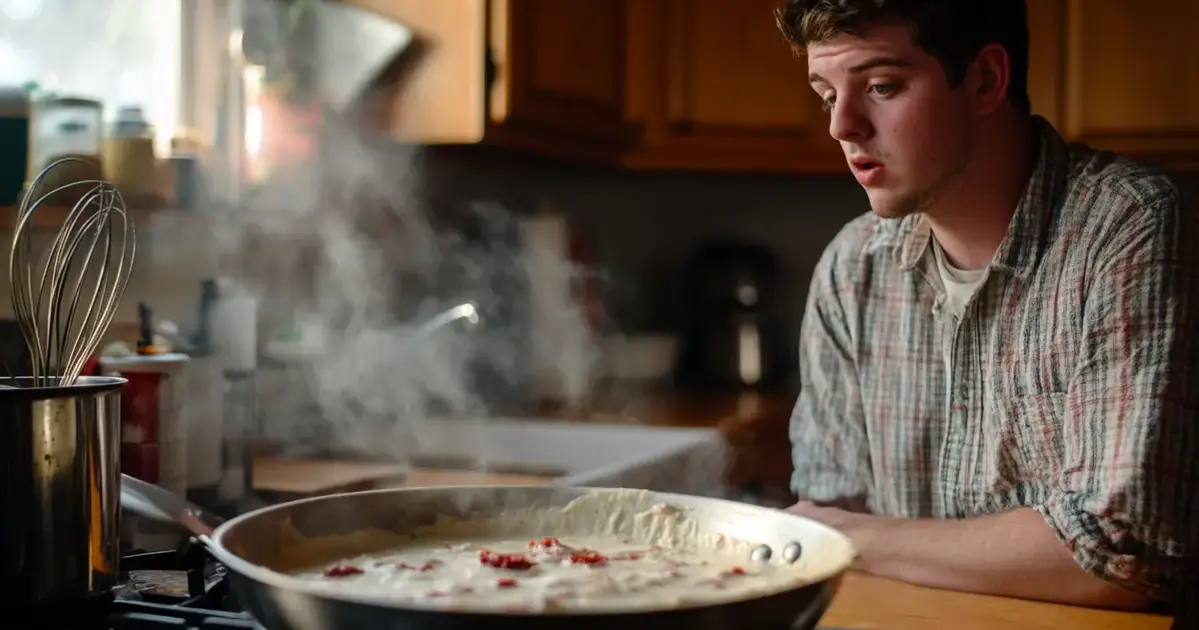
[(251, 549)]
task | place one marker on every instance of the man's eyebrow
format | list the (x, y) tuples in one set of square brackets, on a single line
[(869, 64)]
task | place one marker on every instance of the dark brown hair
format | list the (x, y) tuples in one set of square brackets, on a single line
[(953, 31)]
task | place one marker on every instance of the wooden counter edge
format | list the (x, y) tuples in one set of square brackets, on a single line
[(868, 602)]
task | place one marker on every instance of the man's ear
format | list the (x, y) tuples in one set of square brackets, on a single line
[(988, 78)]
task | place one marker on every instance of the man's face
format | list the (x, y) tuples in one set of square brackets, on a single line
[(905, 133)]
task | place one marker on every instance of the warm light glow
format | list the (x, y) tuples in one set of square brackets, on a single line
[(163, 107), (749, 360), (253, 131)]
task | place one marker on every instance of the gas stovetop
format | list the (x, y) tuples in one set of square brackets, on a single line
[(176, 589), (179, 589)]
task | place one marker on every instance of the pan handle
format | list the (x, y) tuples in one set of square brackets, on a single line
[(152, 502)]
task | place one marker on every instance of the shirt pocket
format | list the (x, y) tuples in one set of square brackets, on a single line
[(1033, 428)]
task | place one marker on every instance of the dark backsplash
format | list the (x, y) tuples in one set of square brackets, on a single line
[(643, 227)]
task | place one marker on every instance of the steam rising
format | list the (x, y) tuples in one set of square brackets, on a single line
[(347, 248)]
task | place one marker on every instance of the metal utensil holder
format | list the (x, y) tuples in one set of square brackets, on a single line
[(59, 490)]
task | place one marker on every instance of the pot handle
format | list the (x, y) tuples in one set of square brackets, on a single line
[(152, 502)]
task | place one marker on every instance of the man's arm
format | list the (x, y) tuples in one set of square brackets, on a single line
[(1122, 517), (828, 435), (1013, 554), (1125, 499)]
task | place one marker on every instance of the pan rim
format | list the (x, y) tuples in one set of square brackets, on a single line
[(271, 578)]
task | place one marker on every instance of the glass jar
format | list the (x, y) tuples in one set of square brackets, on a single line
[(65, 126), (129, 161), (130, 122)]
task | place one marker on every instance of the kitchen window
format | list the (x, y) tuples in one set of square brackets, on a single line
[(176, 59), (119, 52)]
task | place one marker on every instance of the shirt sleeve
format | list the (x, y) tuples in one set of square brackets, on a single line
[(1125, 505), (828, 436)]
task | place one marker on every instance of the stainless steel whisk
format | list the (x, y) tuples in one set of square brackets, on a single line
[(66, 296)]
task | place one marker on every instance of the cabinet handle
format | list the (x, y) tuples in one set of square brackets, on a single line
[(491, 70)]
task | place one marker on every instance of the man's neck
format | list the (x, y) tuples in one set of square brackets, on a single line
[(971, 220)]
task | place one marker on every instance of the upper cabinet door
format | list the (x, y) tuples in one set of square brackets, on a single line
[(546, 75), (1046, 28), (439, 95), (560, 70), (1118, 74), (718, 88)]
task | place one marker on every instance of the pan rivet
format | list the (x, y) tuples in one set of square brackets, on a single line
[(792, 552), (761, 553)]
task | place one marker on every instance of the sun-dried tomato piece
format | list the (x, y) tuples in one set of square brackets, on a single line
[(506, 582), (737, 571), (342, 570), (587, 557), (513, 561)]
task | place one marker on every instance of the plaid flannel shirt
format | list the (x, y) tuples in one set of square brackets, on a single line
[(1074, 387)]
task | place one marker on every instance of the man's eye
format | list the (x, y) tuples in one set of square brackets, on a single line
[(883, 89), (828, 102)]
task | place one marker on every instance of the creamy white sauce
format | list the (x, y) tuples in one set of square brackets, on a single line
[(603, 552)]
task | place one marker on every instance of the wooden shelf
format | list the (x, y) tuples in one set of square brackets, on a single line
[(53, 217)]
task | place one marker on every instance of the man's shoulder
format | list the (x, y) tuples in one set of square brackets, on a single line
[(1106, 191)]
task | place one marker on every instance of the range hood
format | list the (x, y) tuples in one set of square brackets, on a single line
[(354, 47)]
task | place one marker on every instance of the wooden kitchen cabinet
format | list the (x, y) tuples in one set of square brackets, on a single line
[(1046, 24), (717, 88), (560, 74), (542, 75), (1119, 75), (710, 85)]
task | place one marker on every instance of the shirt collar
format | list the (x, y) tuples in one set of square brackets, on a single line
[(1021, 245)]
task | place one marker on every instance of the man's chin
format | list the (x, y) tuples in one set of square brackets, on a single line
[(887, 206)]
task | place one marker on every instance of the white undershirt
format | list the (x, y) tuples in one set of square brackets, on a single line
[(960, 285)]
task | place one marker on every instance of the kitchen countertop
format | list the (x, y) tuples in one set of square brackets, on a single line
[(754, 426), (867, 602), (305, 478), (682, 409)]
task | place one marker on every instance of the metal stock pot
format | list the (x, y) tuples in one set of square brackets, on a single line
[(60, 487)]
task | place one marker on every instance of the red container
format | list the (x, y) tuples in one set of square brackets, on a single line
[(141, 407), (153, 427), (141, 461)]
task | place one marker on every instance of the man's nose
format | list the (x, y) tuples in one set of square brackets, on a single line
[(848, 123)]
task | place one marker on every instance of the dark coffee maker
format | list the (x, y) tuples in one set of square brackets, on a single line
[(732, 339)]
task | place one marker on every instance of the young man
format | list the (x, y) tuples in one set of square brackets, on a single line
[(997, 384)]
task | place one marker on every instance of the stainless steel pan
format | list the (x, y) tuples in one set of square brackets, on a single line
[(249, 547)]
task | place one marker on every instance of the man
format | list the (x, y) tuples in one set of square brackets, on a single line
[(997, 384)]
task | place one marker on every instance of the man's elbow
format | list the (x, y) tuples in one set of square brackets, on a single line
[(1093, 592)]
